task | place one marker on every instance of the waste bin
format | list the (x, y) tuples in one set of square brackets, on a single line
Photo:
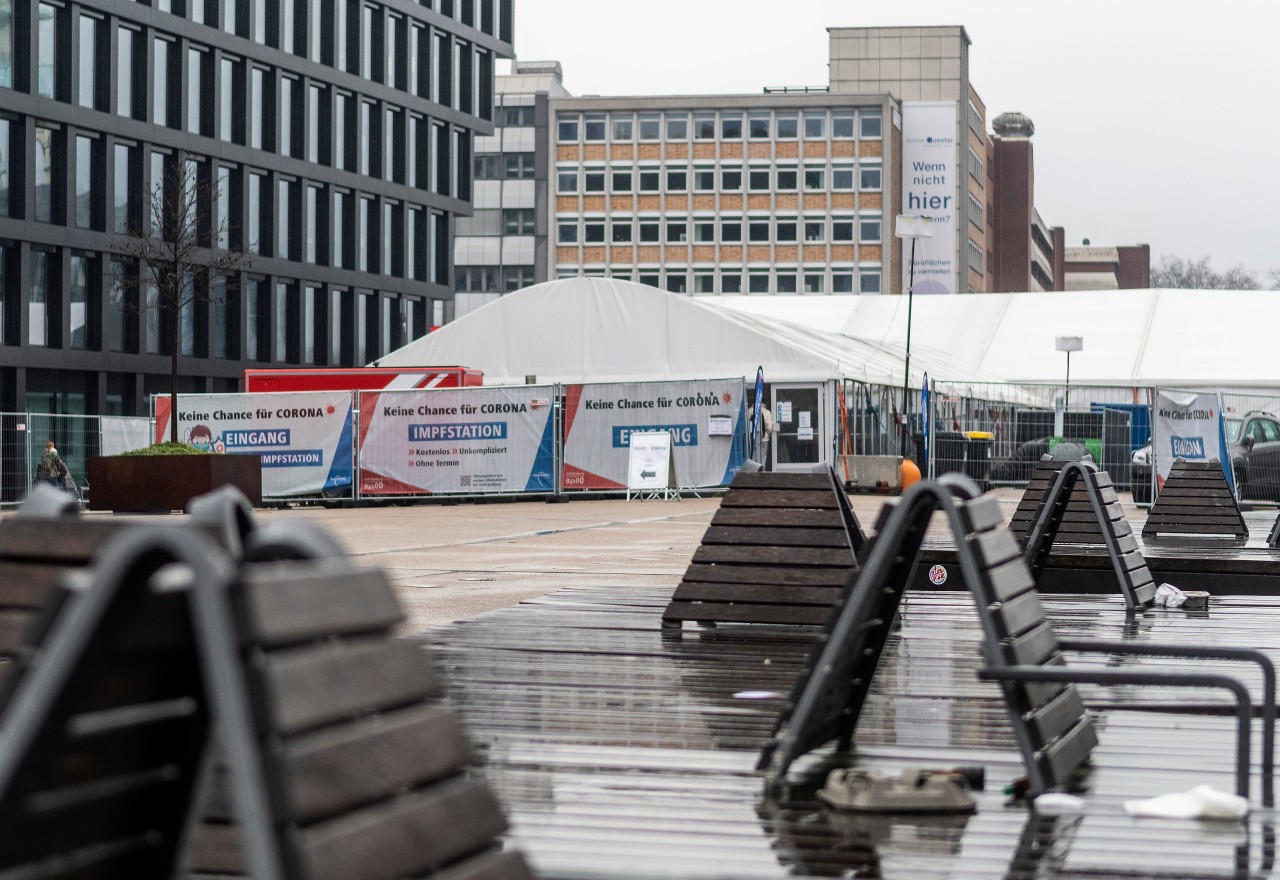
[(977, 464), (949, 452)]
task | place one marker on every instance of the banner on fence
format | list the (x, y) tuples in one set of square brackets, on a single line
[(468, 440), (304, 437), (123, 433), (599, 419), (1188, 426)]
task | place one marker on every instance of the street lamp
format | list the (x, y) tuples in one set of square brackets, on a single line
[(1068, 344), (912, 227)]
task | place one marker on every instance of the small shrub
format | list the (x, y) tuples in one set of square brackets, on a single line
[(167, 448)]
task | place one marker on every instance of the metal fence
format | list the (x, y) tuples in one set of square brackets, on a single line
[(78, 438)]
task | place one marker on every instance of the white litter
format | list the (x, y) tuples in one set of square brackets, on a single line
[(755, 695), (1169, 596), (1057, 803), (1202, 802)]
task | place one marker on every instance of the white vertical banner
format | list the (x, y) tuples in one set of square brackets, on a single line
[(1187, 426), (931, 188)]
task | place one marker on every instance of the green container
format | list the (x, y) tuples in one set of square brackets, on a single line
[(1092, 444)]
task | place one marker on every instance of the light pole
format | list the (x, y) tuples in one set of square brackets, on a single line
[(1068, 344), (910, 227)]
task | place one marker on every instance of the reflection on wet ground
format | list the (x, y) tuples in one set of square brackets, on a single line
[(621, 751)]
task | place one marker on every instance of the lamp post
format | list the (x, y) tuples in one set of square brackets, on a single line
[(1068, 344), (910, 227)]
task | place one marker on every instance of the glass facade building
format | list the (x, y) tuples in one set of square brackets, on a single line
[(335, 136)]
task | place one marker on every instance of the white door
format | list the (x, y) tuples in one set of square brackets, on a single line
[(801, 435)]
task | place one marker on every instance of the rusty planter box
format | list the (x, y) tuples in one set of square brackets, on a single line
[(168, 482)]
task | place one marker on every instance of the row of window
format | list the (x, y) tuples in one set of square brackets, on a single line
[(365, 39), (725, 125), (676, 230), (807, 279), (314, 207), (491, 279), (837, 177), (107, 307)]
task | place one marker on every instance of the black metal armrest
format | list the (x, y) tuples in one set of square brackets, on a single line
[(1205, 652), (1067, 675)]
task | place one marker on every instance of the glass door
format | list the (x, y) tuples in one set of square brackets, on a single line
[(798, 427)]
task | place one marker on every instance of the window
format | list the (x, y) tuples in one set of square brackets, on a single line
[(731, 230), (788, 126), (731, 127), (731, 283), (257, 92), (567, 129), (758, 179), (731, 179), (870, 125), (47, 71), (786, 179), (311, 223), (222, 210), (813, 282), (786, 282), (869, 282), (314, 98), (650, 126), (593, 127), (650, 180), (593, 232), (122, 214), (677, 127), (254, 238), (285, 136), (621, 128), (785, 231), (284, 196), (196, 62), (124, 72), (518, 166), (815, 124), (519, 117), (758, 231), (38, 300), (677, 179), (341, 205), (677, 282), (6, 46), (160, 83), (842, 177), (87, 92), (621, 231), (758, 282), (815, 229), (704, 179), (704, 126), (621, 182), (567, 233), (704, 231), (593, 180), (218, 317), (121, 301), (677, 231), (517, 221), (566, 181), (649, 278), (226, 88), (758, 126), (704, 282), (869, 230), (517, 277), (815, 177), (842, 282), (78, 290), (842, 125), (366, 137), (87, 186), (650, 231), (488, 167), (842, 229), (46, 174)]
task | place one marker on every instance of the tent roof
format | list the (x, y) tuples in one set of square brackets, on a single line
[(606, 329), (1172, 338)]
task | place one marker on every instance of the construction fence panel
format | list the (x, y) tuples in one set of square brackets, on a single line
[(1251, 425), (997, 432)]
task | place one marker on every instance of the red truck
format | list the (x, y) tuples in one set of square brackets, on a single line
[(361, 378)]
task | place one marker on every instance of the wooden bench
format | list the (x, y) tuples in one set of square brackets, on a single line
[(103, 732), (1079, 525), (1020, 650), (1196, 500), (778, 551), (340, 761)]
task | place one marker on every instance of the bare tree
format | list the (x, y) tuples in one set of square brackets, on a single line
[(181, 249), (1174, 273)]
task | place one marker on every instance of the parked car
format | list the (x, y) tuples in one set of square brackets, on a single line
[(1254, 445)]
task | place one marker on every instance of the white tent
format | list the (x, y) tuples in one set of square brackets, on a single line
[(608, 330), (1172, 338)]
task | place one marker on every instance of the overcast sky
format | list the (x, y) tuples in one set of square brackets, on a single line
[(1156, 122)]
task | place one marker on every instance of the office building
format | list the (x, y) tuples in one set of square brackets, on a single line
[(1093, 267), (336, 134)]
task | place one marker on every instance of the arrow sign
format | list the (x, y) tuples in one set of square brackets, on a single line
[(648, 475)]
